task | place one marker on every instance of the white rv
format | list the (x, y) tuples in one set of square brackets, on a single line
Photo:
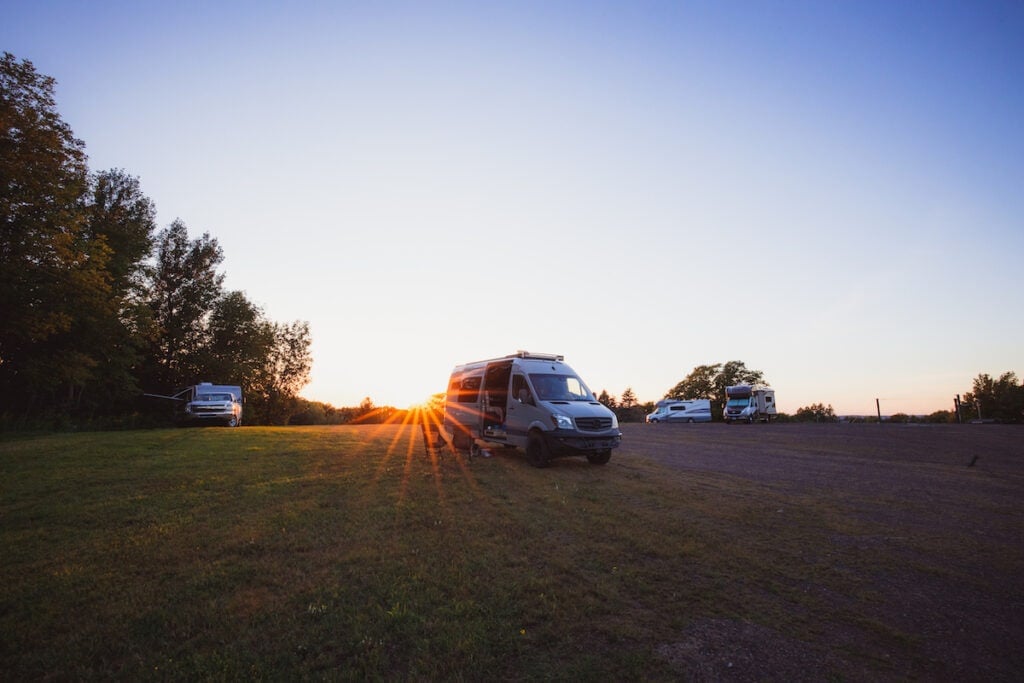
[(675, 410), (745, 403), (532, 401), (218, 403)]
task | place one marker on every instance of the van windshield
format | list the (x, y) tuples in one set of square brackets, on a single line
[(560, 388)]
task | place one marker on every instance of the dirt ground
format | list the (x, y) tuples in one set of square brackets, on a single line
[(945, 504)]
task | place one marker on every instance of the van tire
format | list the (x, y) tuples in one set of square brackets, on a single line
[(537, 450), (599, 457)]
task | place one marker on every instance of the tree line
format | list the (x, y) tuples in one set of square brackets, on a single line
[(98, 306), (999, 400)]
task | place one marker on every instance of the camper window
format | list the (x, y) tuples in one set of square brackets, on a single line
[(469, 390), (521, 390)]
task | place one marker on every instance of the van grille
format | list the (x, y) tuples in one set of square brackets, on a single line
[(593, 424)]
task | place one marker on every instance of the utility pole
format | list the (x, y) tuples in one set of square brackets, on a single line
[(878, 407)]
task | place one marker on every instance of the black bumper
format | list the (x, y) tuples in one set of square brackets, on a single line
[(565, 442)]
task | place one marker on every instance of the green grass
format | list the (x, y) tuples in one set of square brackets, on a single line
[(348, 553)]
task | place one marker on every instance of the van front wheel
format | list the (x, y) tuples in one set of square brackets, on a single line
[(537, 451), (599, 457)]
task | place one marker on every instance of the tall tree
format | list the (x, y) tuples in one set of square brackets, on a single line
[(239, 340), (628, 399), (50, 269), (118, 213), (122, 218), (710, 381), (700, 383), (183, 286), (285, 370)]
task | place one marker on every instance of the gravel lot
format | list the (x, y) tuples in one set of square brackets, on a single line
[(945, 508)]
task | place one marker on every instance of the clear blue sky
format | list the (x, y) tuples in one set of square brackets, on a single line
[(831, 192)]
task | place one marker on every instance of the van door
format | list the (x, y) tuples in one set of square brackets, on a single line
[(462, 409), (495, 398), (522, 410)]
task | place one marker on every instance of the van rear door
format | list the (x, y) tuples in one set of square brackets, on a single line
[(463, 409)]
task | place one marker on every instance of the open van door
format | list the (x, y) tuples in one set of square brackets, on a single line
[(463, 409), (495, 399)]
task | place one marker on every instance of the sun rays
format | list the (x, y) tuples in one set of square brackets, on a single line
[(418, 433)]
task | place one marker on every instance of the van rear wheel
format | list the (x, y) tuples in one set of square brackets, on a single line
[(599, 457), (537, 450)]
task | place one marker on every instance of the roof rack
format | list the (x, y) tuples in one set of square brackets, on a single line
[(539, 356)]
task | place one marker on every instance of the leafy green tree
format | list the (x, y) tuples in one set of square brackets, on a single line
[(629, 409), (122, 218), (238, 341), (710, 381), (118, 213), (997, 399), (816, 412), (285, 371), (55, 283), (42, 177), (84, 317), (628, 399), (182, 288), (702, 382)]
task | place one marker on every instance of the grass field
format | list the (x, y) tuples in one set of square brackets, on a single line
[(350, 553)]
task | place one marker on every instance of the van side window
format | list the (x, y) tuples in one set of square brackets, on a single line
[(470, 390), (520, 389)]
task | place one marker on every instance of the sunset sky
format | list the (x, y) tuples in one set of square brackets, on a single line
[(831, 192)]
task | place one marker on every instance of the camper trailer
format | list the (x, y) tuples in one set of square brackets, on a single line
[(207, 403), (675, 410), (531, 401), (745, 403)]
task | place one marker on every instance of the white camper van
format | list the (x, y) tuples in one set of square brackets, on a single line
[(532, 401), (219, 403), (674, 410), (745, 403)]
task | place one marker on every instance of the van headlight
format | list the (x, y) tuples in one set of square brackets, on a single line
[(562, 421)]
